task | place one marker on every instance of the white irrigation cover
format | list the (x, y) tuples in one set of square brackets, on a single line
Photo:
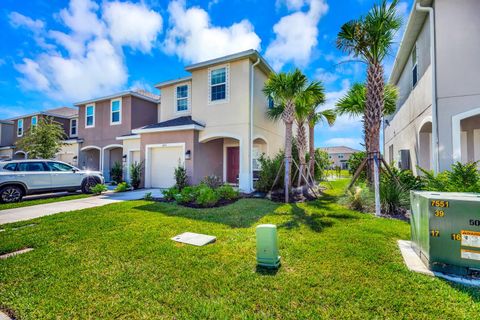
[(195, 239)]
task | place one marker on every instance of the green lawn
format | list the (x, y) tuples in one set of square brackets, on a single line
[(118, 262), (28, 203)]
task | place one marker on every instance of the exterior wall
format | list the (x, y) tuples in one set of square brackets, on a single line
[(339, 159), (27, 122), (169, 103), (458, 67), (131, 148), (6, 154), (143, 112), (6, 134), (69, 153), (209, 159)]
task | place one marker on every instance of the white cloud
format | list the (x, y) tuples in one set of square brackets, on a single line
[(326, 77), (193, 38), (132, 24), (87, 60), (19, 20), (290, 4), (296, 35), (355, 143)]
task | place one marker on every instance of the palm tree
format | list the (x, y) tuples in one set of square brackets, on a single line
[(370, 38), (329, 116), (284, 89)]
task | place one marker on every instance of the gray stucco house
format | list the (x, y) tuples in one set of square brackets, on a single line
[(437, 68)]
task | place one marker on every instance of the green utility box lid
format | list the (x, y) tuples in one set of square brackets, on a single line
[(267, 246), (446, 231)]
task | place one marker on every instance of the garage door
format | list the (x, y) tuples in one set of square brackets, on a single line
[(164, 160)]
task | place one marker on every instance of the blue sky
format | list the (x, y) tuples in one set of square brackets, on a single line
[(55, 53)]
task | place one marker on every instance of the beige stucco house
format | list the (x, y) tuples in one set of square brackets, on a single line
[(339, 156), (437, 121), (14, 129), (213, 122)]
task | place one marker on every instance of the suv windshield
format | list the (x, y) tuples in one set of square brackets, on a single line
[(57, 166)]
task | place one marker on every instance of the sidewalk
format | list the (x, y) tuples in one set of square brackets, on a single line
[(32, 212)]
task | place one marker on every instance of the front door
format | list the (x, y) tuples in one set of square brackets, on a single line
[(233, 164)]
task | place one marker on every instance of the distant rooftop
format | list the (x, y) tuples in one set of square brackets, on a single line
[(142, 94), (338, 149), (61, 112)]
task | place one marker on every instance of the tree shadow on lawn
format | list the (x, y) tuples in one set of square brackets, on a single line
[(242, 214)]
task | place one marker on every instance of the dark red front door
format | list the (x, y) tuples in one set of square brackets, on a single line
[(233, 164)]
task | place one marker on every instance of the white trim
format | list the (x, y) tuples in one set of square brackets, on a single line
[(227, 84), (20, 151), (425, 121), (129, 162), (456, 135), (120, 112), (18, 127), (76, 127), (90, 147), (148, 147), (175, 99), (166, 129), (170, 82), (130, 137), (72, 141), (7, 148), (86, 116), (218, 135)]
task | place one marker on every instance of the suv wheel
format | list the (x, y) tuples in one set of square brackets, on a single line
[(10, 194), (88, 184)]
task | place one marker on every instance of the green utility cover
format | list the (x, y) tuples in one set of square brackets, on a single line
[(446, 231), (267, 246)]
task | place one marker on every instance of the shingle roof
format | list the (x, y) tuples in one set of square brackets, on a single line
[(63, 111), (339, 149), (181, 121)]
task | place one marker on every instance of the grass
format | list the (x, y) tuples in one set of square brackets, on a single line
[(117, 262), (33, 202)]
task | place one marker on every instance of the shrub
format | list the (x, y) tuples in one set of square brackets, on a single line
[(136, 170), (461, 178), (188, 194), (360, 199), (212, 181), (227, 192), (148, 196), (270, 169), (393, 196), (354, 163), (181, 178), (116, 172), (206, 196), (169, 194), (122, 187), (99, 189), (322, 163)]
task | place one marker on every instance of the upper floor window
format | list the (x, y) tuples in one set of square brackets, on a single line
[(414, 66), (116, 111), (34, 121), (218, 84), (20, 127), (182, 97), (271, 103), (90, 116), (73, 127)]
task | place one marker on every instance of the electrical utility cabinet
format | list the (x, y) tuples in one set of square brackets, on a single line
[(267, 246), (446, 231)]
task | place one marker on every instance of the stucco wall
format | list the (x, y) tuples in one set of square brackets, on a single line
[(68, 153), (168, 109), (143, 112), (208, 159), (6, 134)]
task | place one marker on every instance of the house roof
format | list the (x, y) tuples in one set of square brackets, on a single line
[(412, 29), (61, 112), (252, 54), (142, 94), (170, 82), (180, 123), (339, 149)]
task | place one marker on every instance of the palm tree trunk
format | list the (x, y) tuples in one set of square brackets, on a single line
[(373, 112), (311, 149), (302, 149), (288, 116)]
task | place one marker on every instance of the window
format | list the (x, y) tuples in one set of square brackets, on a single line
[(34, 121), (271, 103), (73, 127), (10, 167), (57, 166), (32, 166), (182, 98), (20, 127), (415, 66), (218, 84), (90, 116), (116, 111), (340, 156)]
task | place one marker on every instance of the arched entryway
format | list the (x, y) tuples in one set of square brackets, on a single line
[(90, 158), (19, 155), (466, 136), (112, 155), (425, 145)]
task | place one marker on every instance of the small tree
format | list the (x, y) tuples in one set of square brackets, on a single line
[(44, 140), (116, 172), (136, 170), (181, 178)]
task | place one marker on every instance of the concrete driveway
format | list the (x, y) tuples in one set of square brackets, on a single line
[(32, 212)]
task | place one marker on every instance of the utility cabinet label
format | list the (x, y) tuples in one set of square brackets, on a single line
[(469, 254), (470, 239)]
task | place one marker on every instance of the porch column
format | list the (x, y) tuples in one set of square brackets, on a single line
[(244, 177)]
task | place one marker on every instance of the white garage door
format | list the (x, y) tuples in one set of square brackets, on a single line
[(163, 162)]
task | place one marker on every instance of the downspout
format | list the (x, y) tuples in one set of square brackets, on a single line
[(435, 144), (252, 77)]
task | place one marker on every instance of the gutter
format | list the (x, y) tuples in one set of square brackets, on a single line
[(435, 144), (252, 78)]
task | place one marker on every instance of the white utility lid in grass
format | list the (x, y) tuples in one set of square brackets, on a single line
[(195, 239)]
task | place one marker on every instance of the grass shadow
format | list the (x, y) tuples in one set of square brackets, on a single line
[(264, 271), (242, 214)]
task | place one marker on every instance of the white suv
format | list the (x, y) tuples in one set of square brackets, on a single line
[(24, 177)]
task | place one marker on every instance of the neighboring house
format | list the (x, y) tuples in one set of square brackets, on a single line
[(453, 88), (14, 129), (213, 122), (339, 156)]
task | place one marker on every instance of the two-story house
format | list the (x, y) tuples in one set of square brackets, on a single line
[(339, 156), (14, 129), (213, 122), (437, 121)]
